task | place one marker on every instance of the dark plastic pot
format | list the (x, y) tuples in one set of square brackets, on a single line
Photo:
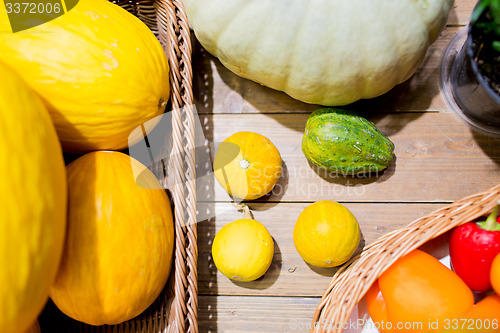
[(465, 89)]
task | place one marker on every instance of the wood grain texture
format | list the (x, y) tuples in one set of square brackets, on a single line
[(289, 275), (437, 159), (460, 14), (238, 314)]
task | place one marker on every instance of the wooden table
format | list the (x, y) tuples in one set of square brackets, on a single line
[(438, 160)]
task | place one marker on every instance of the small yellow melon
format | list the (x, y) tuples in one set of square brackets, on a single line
[(247, 165), (243, 250), (326, 234)]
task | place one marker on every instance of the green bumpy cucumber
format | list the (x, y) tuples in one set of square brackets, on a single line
[(339, 140)]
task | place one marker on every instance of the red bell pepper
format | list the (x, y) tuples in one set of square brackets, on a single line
[(473, 246)]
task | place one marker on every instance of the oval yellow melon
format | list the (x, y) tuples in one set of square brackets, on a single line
[(33, 201), (100, 71), (120, 236)]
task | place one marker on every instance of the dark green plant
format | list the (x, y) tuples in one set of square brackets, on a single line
[(492, 25)]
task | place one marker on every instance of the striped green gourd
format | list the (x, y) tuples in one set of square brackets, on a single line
[(341, 141)]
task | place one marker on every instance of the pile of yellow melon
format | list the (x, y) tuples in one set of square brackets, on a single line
[(248, 166), (86, 234)]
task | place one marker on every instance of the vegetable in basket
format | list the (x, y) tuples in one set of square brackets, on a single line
[(377, 308), (100, 71), (419, 289), (483, 317), (495, 274), (473, 246), (33, 199), (119, 242)]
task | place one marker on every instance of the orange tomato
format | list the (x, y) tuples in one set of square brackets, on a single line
[(377, 308), (419, 291), (495, 274)]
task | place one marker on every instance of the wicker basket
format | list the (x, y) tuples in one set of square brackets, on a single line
[(175, 310), (352, 281)]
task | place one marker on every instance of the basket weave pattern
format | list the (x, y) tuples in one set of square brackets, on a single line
[(351, 282)]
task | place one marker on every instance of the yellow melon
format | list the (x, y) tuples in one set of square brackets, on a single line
[(243, 250), (33, 201), (326, 234), (247, 165), (120, 237), (100, 71)]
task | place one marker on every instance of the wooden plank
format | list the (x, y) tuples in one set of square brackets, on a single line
[(218, 90), (461, 11), (235, 314), (437, 159), (289, 275)]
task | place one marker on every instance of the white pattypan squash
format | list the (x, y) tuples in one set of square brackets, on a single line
[(327, 52)]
